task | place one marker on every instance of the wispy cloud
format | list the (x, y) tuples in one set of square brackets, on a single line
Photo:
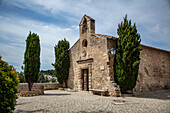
[(57, 19), (13, 40)]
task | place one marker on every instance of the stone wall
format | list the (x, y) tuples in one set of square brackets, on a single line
[(98, 51), (39, 86), (74, 56), (51, 86), (111, 43), (154, 70)]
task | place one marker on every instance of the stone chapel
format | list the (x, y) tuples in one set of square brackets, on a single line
[(92, 61)]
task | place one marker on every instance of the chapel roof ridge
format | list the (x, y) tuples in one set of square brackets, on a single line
[(115, 38), (155, 48), (107, 36)]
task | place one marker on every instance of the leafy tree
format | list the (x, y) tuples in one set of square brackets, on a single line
[(32, 59), (127, 58), (8, 87), (42, 79), (62, 61), (21, 77)]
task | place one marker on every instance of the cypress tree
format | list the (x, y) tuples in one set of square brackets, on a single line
[(127, 58), (62, 61), (32, 59)]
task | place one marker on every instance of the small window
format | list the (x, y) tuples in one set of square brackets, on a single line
[(84, 43)]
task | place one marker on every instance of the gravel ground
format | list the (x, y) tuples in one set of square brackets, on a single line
[(56, 101)]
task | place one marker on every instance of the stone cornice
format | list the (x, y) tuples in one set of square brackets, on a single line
[(85, 61)]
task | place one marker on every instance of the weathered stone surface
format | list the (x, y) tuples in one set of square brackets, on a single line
[(154, 70), (114, 89)]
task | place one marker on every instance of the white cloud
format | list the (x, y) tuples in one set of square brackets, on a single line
[(152, 18), (49, 36)]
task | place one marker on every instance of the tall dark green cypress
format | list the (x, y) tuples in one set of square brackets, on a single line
[(127, 58), (32, 59), (62, 61)]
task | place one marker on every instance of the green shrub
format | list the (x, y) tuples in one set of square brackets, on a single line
[(8, 87)]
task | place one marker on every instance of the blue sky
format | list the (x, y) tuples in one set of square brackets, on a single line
[(54, 20)]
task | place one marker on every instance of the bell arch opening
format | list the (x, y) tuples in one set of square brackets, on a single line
[(84, 43)]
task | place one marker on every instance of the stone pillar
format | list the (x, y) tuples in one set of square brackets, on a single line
[(111, 70), (79, 82), (109, 77), (85, 80), (90, 76)]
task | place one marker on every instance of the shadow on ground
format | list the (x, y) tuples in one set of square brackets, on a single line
[(23, 103), (162, 94), (33, 111), (100, 111), (55, 94)]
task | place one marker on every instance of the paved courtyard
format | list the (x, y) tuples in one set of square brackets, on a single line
[(56, 101)]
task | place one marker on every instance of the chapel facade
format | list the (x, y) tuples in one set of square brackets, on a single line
[(92, 62)]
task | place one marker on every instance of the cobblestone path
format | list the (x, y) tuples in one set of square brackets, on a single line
[(56, 101)]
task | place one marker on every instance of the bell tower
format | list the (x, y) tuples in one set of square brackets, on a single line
[(87, 25)]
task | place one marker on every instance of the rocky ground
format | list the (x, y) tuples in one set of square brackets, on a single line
[(56, 101)]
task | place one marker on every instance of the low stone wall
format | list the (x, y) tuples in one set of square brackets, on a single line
[(30, 93), (51, 86), (38, 86), (24, 87), (37, 89)]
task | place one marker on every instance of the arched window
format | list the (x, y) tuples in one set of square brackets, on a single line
[(84, 43)]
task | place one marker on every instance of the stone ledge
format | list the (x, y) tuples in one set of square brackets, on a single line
[(85, 61), (30, 93), (38, 86)]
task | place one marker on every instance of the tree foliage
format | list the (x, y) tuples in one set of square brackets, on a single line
[(8, 87), (62, 61), (127, 58), (48, 72), (32, 59), (43, 79), (21, 77)]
